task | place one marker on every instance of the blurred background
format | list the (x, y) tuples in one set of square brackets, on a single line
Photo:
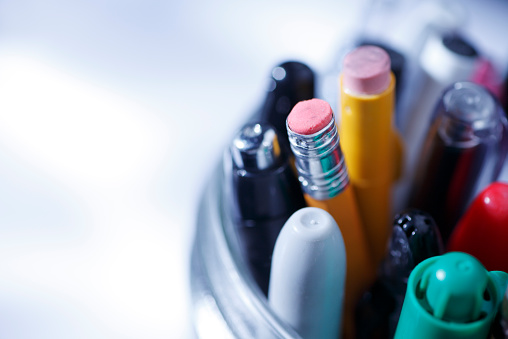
[(112, 116)]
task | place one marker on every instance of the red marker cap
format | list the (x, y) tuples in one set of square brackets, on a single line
[(483, 229)]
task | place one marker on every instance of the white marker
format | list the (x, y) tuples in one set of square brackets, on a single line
[(445, 59), (308, 274)]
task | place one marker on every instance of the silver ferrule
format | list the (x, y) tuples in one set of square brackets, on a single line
[(319, 161)]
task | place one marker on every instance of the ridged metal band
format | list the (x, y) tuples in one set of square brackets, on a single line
[(320, 163)]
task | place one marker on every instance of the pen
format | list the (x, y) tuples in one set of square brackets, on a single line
[(462, 150), (290, 82), (308, 274), (325, 182), (371, 146), (415, 237), (265, 193), (483, 229), (446, 57), (451, 296)]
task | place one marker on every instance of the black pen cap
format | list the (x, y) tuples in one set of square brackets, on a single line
[(264, 185), (415, 237), (289, 83)]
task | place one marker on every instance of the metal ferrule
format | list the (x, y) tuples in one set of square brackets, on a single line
[(319, 161)]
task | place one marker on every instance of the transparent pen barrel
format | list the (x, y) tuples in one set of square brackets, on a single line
[(463, 153)]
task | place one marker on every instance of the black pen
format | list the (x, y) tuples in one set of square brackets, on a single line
[(265, 194), (290, 82), (415, 237)]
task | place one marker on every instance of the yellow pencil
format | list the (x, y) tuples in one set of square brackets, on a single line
[(324, 177)]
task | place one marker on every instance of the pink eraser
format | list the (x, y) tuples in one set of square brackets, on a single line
[(310, 116), (366, 70)]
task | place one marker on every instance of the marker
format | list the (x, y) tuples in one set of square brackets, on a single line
[(308, 274), (325, 182), (415, 237), (265, 194), (462, 152), (371, 146), (445, 59), (451, 296), (290, 83), (483, 229)]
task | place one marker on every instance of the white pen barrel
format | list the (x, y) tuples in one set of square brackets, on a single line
[(308, 274)]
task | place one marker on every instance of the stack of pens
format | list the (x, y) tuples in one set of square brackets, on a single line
[(311, 199)]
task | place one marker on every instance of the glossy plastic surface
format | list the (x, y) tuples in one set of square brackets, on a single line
[(451, 296), (483, 230)]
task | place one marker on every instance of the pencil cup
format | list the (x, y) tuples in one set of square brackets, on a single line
[(226, 302)]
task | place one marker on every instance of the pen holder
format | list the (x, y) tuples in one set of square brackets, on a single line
[(226, 302)]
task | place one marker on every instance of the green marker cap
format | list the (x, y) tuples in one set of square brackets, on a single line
[(451, 296)]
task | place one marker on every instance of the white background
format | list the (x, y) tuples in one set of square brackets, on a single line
[(112, 114)]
